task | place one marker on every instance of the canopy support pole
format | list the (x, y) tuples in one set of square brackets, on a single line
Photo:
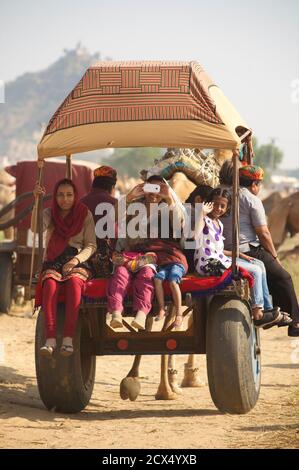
[(38, 221), (235, 215), (68, 167), (40, 208)]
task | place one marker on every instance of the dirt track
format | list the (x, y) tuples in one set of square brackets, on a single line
[(108, 422)]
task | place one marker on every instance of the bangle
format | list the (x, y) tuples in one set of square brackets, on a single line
[(75, 257)]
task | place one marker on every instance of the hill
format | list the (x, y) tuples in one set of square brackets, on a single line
[(32, 98)]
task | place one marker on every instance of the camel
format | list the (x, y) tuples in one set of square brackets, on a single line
[(7, 195), (168, 388), (181, 185), (290, 254), (284, 219), (126, 183), (6, 178), (271, 201)]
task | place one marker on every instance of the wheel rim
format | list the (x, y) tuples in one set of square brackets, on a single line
[(255, 356)]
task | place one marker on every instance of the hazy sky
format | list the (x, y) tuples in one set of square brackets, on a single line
[(251, 49)]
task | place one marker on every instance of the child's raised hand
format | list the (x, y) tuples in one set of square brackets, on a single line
[(207, 207)]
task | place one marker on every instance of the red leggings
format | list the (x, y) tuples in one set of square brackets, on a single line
[(73, 290)]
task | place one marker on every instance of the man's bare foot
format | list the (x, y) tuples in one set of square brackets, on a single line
[(160, 315)]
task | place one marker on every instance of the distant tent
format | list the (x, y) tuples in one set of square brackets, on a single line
[(25, 175), (143, 104)]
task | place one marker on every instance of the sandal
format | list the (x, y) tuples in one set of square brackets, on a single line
[(47, 351), (269, 317), (66, 350), (116, 320), (139, 321), (293, 330), (272, 310), (285, 321)]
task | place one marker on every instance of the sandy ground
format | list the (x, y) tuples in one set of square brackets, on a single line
[(192, 421)]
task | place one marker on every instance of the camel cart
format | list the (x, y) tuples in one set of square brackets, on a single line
[(152, 104), (15, 254)]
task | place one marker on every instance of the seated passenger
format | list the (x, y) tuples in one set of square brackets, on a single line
[(174, 266), (102, 191), (210, 256), (167, 251), (256, 240), (199, 195), (70, 241)]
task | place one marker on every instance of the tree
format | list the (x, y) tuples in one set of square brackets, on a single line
[(268, 156), (130, 161)]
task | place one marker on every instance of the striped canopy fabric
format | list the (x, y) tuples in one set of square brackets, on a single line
[(142, 104)]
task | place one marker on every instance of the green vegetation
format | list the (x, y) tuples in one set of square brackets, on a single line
[(130, 161), (292, 266), (291, 262), (268, 156), (32, 99)]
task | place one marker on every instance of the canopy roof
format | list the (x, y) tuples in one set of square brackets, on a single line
[(143, 104)]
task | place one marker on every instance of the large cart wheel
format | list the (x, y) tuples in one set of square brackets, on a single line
[(233, 355), (6, 270), (65, 383)]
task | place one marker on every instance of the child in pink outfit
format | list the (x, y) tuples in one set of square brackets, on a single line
[(141, 247), (138, 270), (143, 292)]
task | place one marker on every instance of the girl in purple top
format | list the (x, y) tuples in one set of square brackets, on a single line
[(209, 246), (210, 242)]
